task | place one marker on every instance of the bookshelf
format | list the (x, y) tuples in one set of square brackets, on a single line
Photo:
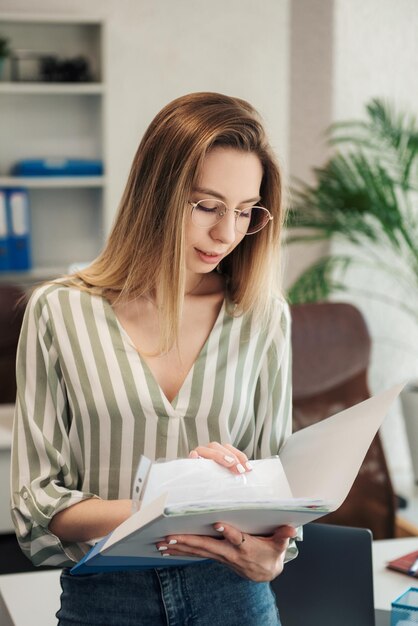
[(55, 120)]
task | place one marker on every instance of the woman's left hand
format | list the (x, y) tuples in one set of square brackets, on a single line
[(260, 559)]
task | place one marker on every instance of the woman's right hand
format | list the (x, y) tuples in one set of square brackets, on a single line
[(224, 454)]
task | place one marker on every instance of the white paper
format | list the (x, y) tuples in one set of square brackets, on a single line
[(322, 460), (204, 482)]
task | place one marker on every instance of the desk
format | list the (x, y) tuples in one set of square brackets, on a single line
[(387, 584), (30, 599), (42, 589), (6, 423)]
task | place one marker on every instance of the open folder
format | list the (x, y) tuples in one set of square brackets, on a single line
[(311, 477)]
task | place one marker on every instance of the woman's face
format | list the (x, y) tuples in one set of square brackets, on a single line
[(234, 177)]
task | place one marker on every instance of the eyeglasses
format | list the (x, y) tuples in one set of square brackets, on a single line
[(208, 213)]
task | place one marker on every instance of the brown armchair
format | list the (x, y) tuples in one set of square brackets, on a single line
[(11, 316), (331, 353)]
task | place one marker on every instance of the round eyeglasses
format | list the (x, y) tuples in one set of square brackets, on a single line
[(208, 213)]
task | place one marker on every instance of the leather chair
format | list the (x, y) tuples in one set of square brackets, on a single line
[(331, 354), (11, 315)]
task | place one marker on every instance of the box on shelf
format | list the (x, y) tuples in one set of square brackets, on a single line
[(33, 66)]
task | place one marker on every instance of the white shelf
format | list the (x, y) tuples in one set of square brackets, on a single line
[(49, 18), (55, 120), (52, 182), (50, 89)]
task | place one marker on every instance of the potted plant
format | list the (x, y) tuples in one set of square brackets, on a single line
[(364, 200), (4, 52)]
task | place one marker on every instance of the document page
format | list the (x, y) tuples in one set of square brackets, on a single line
[(322, 460)]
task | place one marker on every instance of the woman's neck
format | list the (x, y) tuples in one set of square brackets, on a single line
[(193, 283)]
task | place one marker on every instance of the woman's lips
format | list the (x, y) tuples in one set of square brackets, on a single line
[(209, 257)]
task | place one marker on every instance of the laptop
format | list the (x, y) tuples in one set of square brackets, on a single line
[(331, 580)]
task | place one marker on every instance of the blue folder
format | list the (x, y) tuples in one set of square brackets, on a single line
[(4, 233), (94, 562), (19, 239)]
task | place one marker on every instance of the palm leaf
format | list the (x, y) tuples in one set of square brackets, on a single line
[(320, 280), (364, 194), (394, 136)]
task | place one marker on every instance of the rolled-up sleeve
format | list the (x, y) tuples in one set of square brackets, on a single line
[(44, 475)]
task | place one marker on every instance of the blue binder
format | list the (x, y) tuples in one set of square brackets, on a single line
[(19, 229), (94, 562), (4, 233)]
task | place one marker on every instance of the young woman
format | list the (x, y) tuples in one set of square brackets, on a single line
[(174, 342)]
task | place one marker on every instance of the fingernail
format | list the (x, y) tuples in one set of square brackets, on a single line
[(220, 529), (172, 542), (248, 466), (240, 468), (161, 548), (166, 554), (229, 459)]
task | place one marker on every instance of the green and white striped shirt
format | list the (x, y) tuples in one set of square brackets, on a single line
[(88, 406)]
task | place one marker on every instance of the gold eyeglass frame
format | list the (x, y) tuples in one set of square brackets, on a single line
[(237, 213)]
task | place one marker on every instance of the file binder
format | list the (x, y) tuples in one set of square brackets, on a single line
[(316, 469), (19, 229), (4, 233)]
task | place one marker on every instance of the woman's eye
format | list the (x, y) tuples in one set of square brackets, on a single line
[(206, 209), (246, 213)]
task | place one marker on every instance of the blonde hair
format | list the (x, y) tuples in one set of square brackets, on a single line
[(145, 251)]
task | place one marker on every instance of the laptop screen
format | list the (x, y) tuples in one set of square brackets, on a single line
[(331, 580)]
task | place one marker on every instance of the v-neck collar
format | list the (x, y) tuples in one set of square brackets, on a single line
[(181, 399)]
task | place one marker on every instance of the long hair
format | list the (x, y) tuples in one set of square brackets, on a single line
[(145, 251)]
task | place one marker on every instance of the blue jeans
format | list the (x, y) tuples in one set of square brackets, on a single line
[(205, 594)]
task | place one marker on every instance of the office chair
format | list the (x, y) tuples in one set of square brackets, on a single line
[(331, 354), (11, 316)]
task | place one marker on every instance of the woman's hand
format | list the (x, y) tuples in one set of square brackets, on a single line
[(224, 454), (260, 559), (256, 558)]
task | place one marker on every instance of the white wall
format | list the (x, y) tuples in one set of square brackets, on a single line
[(311, 93), (160, 49), (376, 54)]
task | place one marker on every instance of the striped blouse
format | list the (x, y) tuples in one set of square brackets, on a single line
[(88, 406)]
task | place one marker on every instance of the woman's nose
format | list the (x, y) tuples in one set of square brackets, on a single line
[(225, 229)]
